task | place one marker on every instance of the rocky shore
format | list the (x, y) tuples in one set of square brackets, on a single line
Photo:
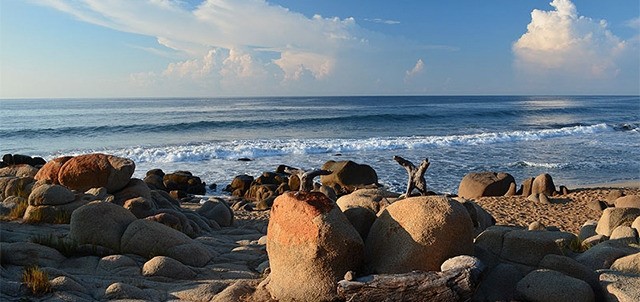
[(82, 229)]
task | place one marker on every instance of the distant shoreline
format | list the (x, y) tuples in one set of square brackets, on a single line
[(629, 184)]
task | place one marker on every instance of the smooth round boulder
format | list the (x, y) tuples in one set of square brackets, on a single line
[(547, 285), (614, 217), (474, 185), (543, 183), (100, 223), (629, 201), (311, 245), (50, 195), (347, 176), (84, 172), (418, 233)]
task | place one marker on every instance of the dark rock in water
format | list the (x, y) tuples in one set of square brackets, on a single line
[(283, 168), (213, 187), (244, 159), (338, 154), (241, 184), (184, 181), (19, 159), (158, 172)]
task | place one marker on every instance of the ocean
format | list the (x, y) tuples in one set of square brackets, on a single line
[(577, 139)]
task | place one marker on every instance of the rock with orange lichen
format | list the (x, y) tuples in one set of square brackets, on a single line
[(49, 172), (311, 245), (96, 170)]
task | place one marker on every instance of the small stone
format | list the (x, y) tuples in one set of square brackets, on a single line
[(537, 226), (349, 276)]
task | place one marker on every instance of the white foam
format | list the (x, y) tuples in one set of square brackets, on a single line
[(270, 148)]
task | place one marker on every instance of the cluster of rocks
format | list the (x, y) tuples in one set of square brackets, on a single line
[(348, 240), (259, 193), (536, 189), (113, 227), (19, 159)]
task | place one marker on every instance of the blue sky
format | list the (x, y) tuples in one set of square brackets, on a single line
[(173, 48)]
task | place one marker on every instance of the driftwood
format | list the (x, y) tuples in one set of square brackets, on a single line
[(416, 175), (306, 178), (450, 285)]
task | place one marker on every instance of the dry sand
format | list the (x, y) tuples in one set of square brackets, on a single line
[(567, 212)]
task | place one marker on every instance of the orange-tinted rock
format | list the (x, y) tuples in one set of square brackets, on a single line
[(311, 245), (50, 170), (96, 170)]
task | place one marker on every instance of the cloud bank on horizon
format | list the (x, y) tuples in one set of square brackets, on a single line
[(254, 47)]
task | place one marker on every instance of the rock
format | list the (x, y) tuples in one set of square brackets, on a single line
[(134, 189), (66, 284), (537, 226), (328, 191), (480, 217), (154, 182), (237, 291), (628, 264), (549, 285), (347, 176), (240, 184), (11, 202), (499, 284), (544, 199), (543, 183), (100, 223), (140, 207), (218, 211), (163, 200), (261, 192), (166, 267), (59, 214), (512, 190), (603, 255), (463, 262), (614, 217), (49, 172), (50, 195), (148, 238), (184, 181), (595, 239), (629, 201), (597, 205), (624, 233), (621, 287), (418, 233), (88, 171), (573, 268), (564, 190), (19, 159), (526, 186), (29, 254), (123, 291), (23, 170), (311, 245), (529, 247), (475, 185), (361, 206), (613, 195), (118, 265), (587, 230), (636, 224), (534, 198)]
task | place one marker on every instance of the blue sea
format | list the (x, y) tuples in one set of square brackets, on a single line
[(579, 140)]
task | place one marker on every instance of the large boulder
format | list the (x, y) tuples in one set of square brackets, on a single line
[(184, 181), (361, 207), (135, 188), (100, 223), (218, 211), (629, 201), (548, 285), (614, 217), (88, 171), (529, 247), (474, 185), (543, 183), (621, 287), (418, 233), (46, 194), (311, 245), (149, 239), (49, 172), (480, 217), (348, 176), (240, 185)]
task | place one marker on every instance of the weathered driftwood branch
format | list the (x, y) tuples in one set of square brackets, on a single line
[(450, 285), (306, 178), (416, 175)]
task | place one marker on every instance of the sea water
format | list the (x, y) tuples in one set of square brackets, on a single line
[(577, 139)]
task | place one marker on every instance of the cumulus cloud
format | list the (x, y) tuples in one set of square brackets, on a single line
[(561, 42), (416, 70)]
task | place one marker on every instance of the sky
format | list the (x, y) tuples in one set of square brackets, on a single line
[(220, 48)]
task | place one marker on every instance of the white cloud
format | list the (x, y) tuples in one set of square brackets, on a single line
[(383, 21), (563, 43), (416, 70), (634, 23)]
